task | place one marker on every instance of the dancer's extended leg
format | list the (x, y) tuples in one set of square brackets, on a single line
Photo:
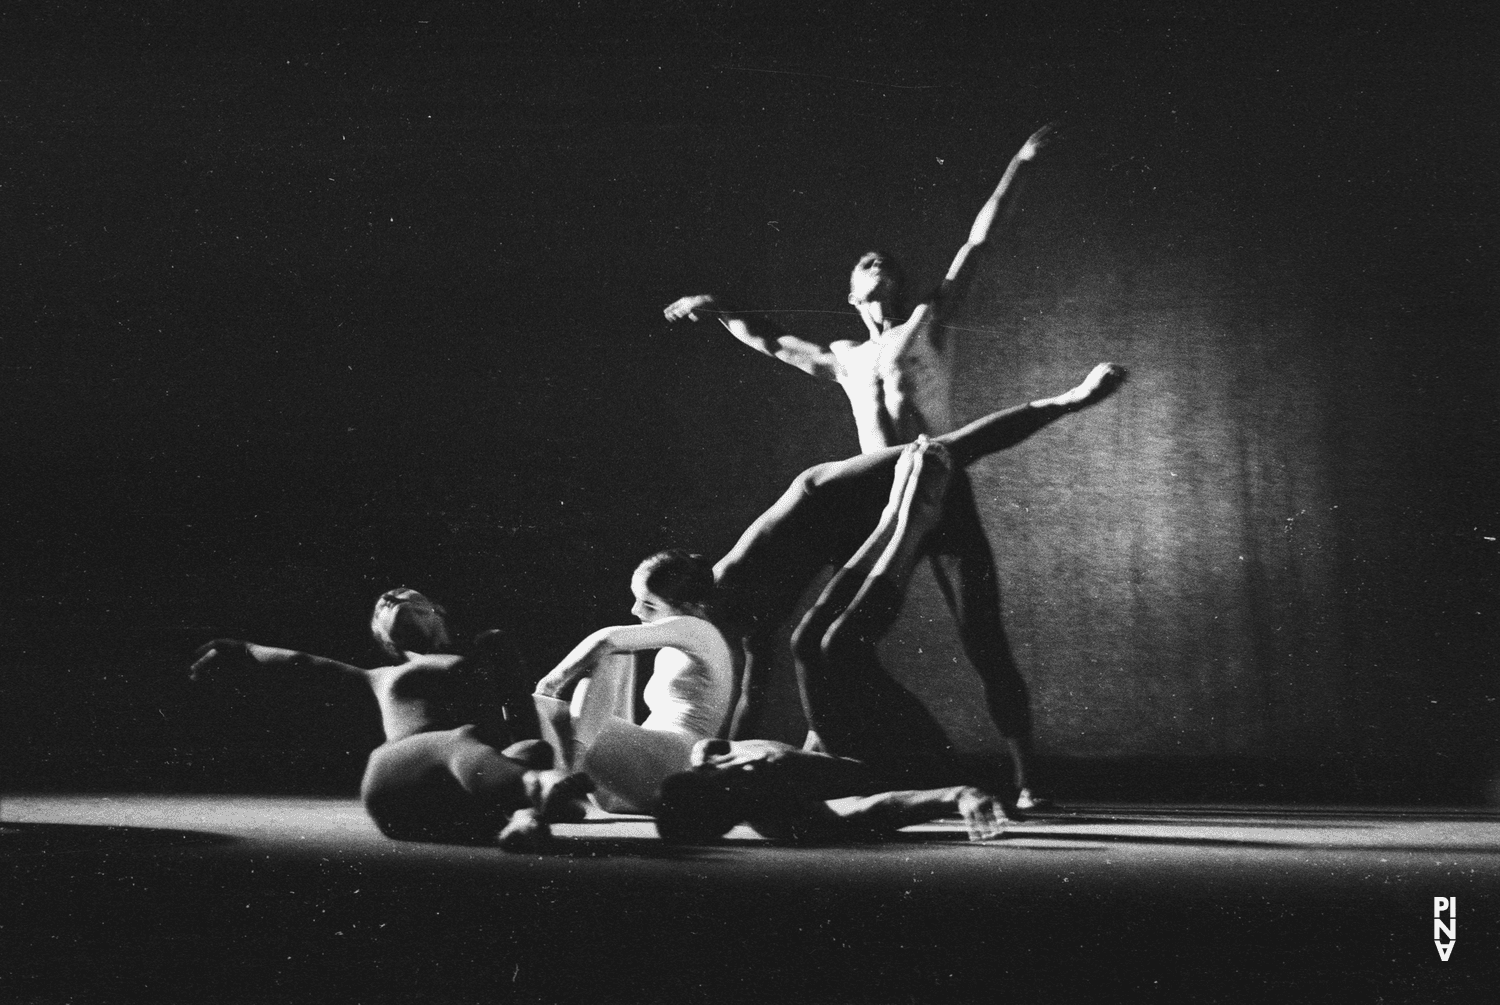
[(1003, 430), (829, 511)]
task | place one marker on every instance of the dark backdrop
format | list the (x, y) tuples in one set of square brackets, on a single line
[(299, 307)]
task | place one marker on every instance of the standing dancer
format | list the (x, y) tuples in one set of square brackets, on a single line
[(899, 381)]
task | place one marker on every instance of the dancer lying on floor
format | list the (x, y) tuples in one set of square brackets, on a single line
[(874, 735), (452, 767)]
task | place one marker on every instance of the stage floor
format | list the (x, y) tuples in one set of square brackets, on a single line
[(252, 899)]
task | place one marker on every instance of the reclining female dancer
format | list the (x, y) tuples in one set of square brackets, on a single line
[(449, 769), (826, 516), (689, 693), (874, 734)]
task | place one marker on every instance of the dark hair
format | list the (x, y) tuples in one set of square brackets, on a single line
[(678, 577), (890, 263)]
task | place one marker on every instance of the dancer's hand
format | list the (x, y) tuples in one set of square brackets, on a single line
[(983, 814), (220, 654), (1036, 141), (688, 307), (554, 684), (742, 754)]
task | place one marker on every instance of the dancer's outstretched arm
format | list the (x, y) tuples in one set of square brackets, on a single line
[(983, 814), (759, 333), (236, 654)]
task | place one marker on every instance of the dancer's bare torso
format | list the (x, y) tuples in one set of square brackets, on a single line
[(899, 383), (435, 692)]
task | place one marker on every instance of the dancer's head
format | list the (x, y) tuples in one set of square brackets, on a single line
[(878, 278), (405, 621), (672, 582)]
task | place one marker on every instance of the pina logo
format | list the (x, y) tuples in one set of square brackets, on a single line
[(1444, 929)]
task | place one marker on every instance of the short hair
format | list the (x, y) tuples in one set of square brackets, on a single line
[(678, 577), (892, 265)]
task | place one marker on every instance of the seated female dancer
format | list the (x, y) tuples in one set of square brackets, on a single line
[(689, 693), (872, 733), (448, 769)]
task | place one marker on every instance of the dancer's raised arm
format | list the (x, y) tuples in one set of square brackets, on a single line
[(956, 282), (757, 332)]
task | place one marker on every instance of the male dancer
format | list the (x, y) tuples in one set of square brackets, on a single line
[(899, 382)]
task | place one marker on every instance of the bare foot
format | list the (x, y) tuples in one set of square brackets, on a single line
[(557, 797), (525, 832), (1028, 800), (1104, 380), (984, 815)]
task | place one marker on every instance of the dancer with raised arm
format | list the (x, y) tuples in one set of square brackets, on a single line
[(899, 382), (452, 767)]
